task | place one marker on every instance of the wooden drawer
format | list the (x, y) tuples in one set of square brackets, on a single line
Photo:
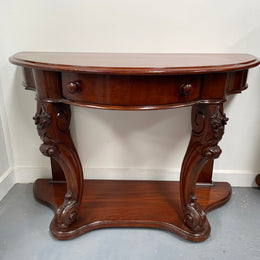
[(126, 90)]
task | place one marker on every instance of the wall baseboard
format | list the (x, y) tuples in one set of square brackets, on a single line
[(7, 181), (235, 178), (30, 174)]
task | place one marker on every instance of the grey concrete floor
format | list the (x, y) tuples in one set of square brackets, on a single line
[(24, 234)]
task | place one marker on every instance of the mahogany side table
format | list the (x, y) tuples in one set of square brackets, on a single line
[(132, 82)]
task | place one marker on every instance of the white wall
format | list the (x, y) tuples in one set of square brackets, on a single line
[(7, 176), (4, 164), (154, 140)]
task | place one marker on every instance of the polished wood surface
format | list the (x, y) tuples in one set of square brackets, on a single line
[(52, 121), (132, 82), (134, 92), (116, 203), (207, 130), (135, 63)]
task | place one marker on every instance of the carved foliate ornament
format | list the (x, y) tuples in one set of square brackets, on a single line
[(218, 121), (53, 129), (67, 213), (194, 216), (211, 152), (49, 150), (42, 120), (208, 123)]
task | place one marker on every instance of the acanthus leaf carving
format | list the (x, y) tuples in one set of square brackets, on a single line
[(208, 123), (218, 121), (49, 149), (194, 216), (42, 120), (67, 213), (52, 122), (211, 152)]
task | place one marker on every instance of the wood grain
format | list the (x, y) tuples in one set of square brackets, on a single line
[(135, 63), (116, 203), (131, 90), (132, 82)]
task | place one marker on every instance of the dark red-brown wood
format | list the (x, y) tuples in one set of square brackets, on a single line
[(207, 129), (132, 82), (206, 172), (257, 180), (52, 120), (135, 63), (116, 90), (115, 203)]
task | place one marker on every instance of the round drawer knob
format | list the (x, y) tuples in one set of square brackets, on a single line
[(74, 87), (186, 89)]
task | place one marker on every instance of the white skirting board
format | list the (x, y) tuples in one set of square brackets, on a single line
[(7, 181), (30, 174), (235, 178)]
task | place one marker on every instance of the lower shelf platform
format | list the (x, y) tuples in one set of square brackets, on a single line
[(117, 203)]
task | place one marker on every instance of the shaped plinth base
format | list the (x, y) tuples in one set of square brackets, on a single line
[(117, 203)]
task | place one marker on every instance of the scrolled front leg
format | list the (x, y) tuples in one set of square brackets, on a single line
[(194, 216), (208, 122), (52, 120), (67, 213)]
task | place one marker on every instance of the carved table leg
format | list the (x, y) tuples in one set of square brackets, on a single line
[(52, 120), (208, 122)]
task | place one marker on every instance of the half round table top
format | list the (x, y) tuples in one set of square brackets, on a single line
[(135, 63)]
